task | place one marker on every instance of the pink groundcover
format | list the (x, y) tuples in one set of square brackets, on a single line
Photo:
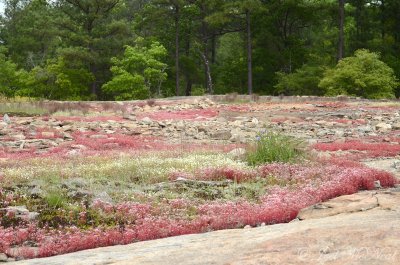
[(313, 183)]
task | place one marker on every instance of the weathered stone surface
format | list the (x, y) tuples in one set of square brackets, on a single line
[(396, 126), (6, 119), (48, 134), (383, 127), (20, 212), (361, 237), (362, 201), (238, 153), (221, 135), (3, 257)]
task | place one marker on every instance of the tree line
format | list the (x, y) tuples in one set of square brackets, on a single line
[(136, 49)]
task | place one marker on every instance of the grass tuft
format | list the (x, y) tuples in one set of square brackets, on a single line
[(275, 147)]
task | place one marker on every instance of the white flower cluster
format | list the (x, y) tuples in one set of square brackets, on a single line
[(123, 167)]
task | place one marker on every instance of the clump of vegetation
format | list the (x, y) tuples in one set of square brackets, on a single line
[(140, 73), (275, 147), (363, 74), (304, 81), (11, 78)]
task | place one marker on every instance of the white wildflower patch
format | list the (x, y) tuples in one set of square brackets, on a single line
[(146, 168)]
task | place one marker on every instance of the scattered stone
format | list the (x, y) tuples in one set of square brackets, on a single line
[(383, 127), (21, 212), (98, 136), (104, 197), (146, 121), (3, 257), (6, 119), (221, 135), (377, 184), (36, 192), (237, 153), (79, 194), (19, 137), (396, 126), (130, 117), (48, 134)]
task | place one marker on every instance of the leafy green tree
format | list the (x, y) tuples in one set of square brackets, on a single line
[(11, 78), (140, 73), (92, 32), (363, 74), (59, 79), (29, 32), (303, 81)]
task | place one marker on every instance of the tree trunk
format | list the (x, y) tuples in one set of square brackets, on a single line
[(340, 54), (189, 83), (383, 19), (204, 53), (213, 48), (177, 50), (249, 55), (208, 73)]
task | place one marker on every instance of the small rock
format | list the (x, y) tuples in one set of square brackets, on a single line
[(383, 127), (78, 194), (396, 126), (19, 137), (98, 136), (36, 192), (221, 135), (396, 164), (6, 119), (48, 134), (74, 152), (104, 197), (146, 121), (67, 136), (377, 184), (130, 117), (237, 153), (110, 145), (247, 227), (3, 257)]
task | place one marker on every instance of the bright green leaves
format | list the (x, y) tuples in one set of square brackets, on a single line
[(304, 81), (363, 74), (11, 79), (58, 79), (140, 73)]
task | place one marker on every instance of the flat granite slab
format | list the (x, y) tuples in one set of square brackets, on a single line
[(365, 234)]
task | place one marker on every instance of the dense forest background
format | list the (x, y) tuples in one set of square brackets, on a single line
[(134, 49)]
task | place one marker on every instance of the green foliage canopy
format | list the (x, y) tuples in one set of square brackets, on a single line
[(59, 79), (11, 78), (140, 73), (363, 74)]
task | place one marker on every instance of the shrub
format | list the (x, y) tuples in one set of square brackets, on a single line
[(360, 75), (59, 79), (275, 147), (304, 81), (11, 79), (139, 74), (198, 91)]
